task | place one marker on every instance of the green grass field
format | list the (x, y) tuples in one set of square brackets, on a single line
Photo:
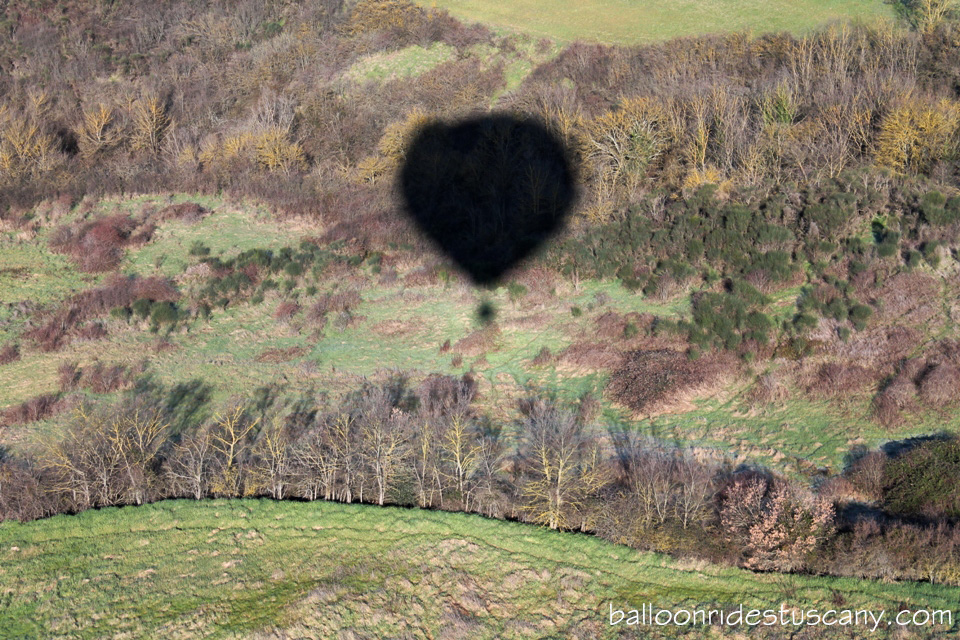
[(262, 569), (640, 21)]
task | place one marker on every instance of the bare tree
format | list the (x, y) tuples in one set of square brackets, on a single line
[(189, 465), (562, 465)]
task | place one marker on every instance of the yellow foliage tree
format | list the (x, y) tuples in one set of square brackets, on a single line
[(393, 146), (24, 145), (98, 131), (916, 135), (624, 142), (150, 123)]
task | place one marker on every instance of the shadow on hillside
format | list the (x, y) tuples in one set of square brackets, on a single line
[(488, 190)]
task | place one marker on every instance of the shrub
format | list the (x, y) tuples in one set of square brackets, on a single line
[(198, 249), (9, 353), (286, 310), (940, 385), (163, 312), (516, 291), (859, 315), (922, 482), (39, 408), (576, 311)]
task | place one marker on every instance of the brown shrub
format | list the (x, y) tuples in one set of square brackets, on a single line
[(647, 378), (120, 291), (456, 360), (286, 310), (612, 325), (441, 393), (588, 408), (186, 211), (97, 246), (106, 379), (38, 408), (9, 353), (897, 396), (940, 385), (339, 302), (68, 375), (421, 277), (479, 341), (834, 378), (767, 390), (445, 346), (591, 356), (92, 331)]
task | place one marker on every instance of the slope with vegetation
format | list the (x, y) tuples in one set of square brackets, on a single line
[(210, 289)]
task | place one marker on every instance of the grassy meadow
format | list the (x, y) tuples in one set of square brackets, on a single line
[(636, 21), (262, 569)]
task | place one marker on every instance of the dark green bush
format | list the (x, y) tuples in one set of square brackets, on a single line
[(163, 313)]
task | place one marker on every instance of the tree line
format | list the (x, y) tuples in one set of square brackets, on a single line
[(552, 466)]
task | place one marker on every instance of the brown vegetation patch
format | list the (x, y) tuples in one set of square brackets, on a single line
[(879, 348), (98, 378), (591, 356), (276, 355), (768, 390), (286, 310), (940, 384), (543, 357), (652, 380), (186, 211), (834, 378), (421, 277), (337, 302), (39, 408), (9, 353), (479, 341), (909, 298)]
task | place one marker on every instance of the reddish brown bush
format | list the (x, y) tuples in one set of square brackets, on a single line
[(68, 375), (445, 346), (92, 331), (106, 379), (38, 408), (286, 310), (9, 353), (98, 245), (339, 302)]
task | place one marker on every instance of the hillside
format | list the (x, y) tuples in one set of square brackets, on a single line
[(261, 569)]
